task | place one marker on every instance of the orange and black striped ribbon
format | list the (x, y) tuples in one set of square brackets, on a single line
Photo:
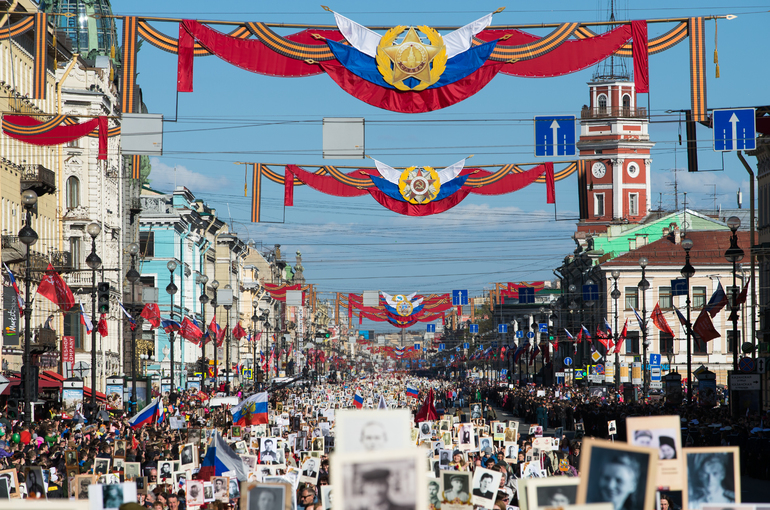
[(136, 166), (256, 192), (582, 165), (17, 28), (128, 81), (698, 70), (41, 54)]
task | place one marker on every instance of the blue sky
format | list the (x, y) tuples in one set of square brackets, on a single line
[(353, 244)]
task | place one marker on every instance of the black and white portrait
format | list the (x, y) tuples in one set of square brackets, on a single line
[(193, 435), (5, 489), (141, 484), (466, 437), (82, 482), (326, 497), (310, 471), (612, 428), (391, 480), (485, 485), (618, 474), (372, 430), (120, 449), (71, 457), (101, 466), (485, 442), (234, 489), (265, 497), (426, 430), (187, 457), (444, 457), (34, 482), (268, 450), (664, 434), (112, 495), (221, 488), (712, 476), (552, 492), (512, 451), (250, 461), (476, 411), (195, 493), (318, 444), (456, 487), (208, 492), (132, 470), (166, 470), (11, 479)]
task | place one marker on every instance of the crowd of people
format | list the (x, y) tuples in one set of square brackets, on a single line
[(461, 428)]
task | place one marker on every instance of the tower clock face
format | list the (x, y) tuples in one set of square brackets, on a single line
[(599, 169)]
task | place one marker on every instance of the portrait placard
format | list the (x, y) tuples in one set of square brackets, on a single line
[(455, 488), (713, 476), (485, 485), (82, 482), (372, 430), (467, 439), (266, 496), (194, 493), (12, 479), (554, 491), (475, 411), (111, 496), (663, 433)]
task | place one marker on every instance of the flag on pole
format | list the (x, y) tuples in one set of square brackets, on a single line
[(151, 312), (585, 332), (128, 315), (145, 416), (358, 400), (170, 325), (252, 411), (607, 327), (412, 391), (660, 321), (101, 326), (238, 331), (19, 299), (85, 320), (219, 459), (716, 303), (622, 337), (160, 414), (569, 335), (428, 411), (704, 327), (638, 319), (53, 288), (189, 331)]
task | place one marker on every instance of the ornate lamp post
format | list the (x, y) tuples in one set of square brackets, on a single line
[(215, 286), (734, 254), (94, 262), (172, 289), (133, 276), (615, 296), (687, 272), (204, 298), (227, 347), (643, 286), (28, 237)]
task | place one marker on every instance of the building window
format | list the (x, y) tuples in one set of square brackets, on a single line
[(698, 297), (664, 298), (602, 103), (72, 326), (633, 204), (632, 342), (666, 343), (729, 341), (75, 144), (698, 345), (147, 244), (626, 105), (632, 298), (599, 204), (75, 252), (73, 192)]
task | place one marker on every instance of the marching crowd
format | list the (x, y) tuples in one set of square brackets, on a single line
[(60, 458)]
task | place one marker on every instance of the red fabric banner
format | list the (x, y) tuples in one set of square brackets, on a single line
[(411, 102), (288, 187), (56, 136), (151, 312), (103, 133), (328, 184), (507, 184), (640, 51), (550, 185), (704, 327), (408, 209), (660, 321), (53, 288), (185, 58), (569, 57)]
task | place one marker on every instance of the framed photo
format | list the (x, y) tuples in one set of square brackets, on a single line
[(194, 493), (236, 432), (475, 411), (467, 440), (326, 497), (101, 466), (165, 471), (234, 490), (180, 480), (221, 488), (511, 451), (484, 443), (617, 473), (118, 464), (208, 492), (5, 490), (372, 430), (713, 476), (266, 496), (485, 485), (318, 444), (310, 471), (111, 496), (445, 425), (271, 451), (132, 470), (395, 479), (250, 461), (194, 436), (455, 487), (120, 449), (141, 484), (446, 437), (554, 491), (12, 480), (426, 430), (71, 458), (663, 433), (187, 460), (35, 483)]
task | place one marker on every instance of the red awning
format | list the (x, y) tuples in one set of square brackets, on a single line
[(86, 390), (41, 384)]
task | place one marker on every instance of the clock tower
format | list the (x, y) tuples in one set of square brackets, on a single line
[(614, 167)]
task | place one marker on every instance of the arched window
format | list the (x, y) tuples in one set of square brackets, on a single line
[(626, 105), (602, 103), (73, 192)]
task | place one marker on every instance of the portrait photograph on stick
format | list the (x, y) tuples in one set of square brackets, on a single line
[(371, 430), (664, 434), (617, 473), (713, 476), (484, 487), (455, 487), (553, 491), (266, 496)]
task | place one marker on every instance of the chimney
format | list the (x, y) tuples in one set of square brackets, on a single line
[(641, 240), (677, 236), (666, 231)]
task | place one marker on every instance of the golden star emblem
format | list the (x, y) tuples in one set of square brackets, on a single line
[(411, 58)]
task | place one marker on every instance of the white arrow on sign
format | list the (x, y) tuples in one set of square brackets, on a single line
[(734, 121), (555, 129)]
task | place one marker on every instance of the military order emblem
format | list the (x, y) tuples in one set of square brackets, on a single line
[(419, 185), (412, 58)]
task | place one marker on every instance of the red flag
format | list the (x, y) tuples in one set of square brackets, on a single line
[(660, 321), (151, 312), (622, 337), (579, 338), (742, 296), (53, 288), (238, 331), (102, 326), (190, 331), (704, 327), (428, 411), (220, 334)]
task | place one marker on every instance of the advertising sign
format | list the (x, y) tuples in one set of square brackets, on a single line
[(72, 396), (11, 317), (114, 392), (636, 373), (68, 349)]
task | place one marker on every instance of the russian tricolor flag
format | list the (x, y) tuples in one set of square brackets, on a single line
[(358, 400), (252, 411), (145, 416), (19, 299), (161, 415), (412, 392), (219, 459), (85, 321)]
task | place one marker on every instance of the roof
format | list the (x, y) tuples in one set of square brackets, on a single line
[(708, 249)]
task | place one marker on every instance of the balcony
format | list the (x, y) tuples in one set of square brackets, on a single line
[(13, 249), (613, 112), (61, 261), (45, 340), (38, 178)]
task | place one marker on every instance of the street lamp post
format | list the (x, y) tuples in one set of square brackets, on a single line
[(28, 237), (94, 262), (734, 254), (615, 296), (227, 347), (687, 272), (172, 289), (215, 286), (643, 286), (254, 319), (203, 298), (133, 276)]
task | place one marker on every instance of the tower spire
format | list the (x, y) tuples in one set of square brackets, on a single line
[(612, 68)]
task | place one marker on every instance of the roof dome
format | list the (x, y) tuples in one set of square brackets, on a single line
[(87, 23)]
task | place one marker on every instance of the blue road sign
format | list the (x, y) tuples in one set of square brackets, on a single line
[(655, 360), (599, 369), (591, 292), (735, 130), (466, 345), (441, 347), (520, 334), (530, 334), (474, 328), (567, 362), (554, 136), (502, 328), (542, 327), (431, 328), (503, 371), (494, 345), (417, 346), (526, 295), (679, 287), (459, 297), (746, 364)]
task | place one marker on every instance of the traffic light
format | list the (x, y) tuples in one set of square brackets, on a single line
[(327, 335), (103, 297)]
